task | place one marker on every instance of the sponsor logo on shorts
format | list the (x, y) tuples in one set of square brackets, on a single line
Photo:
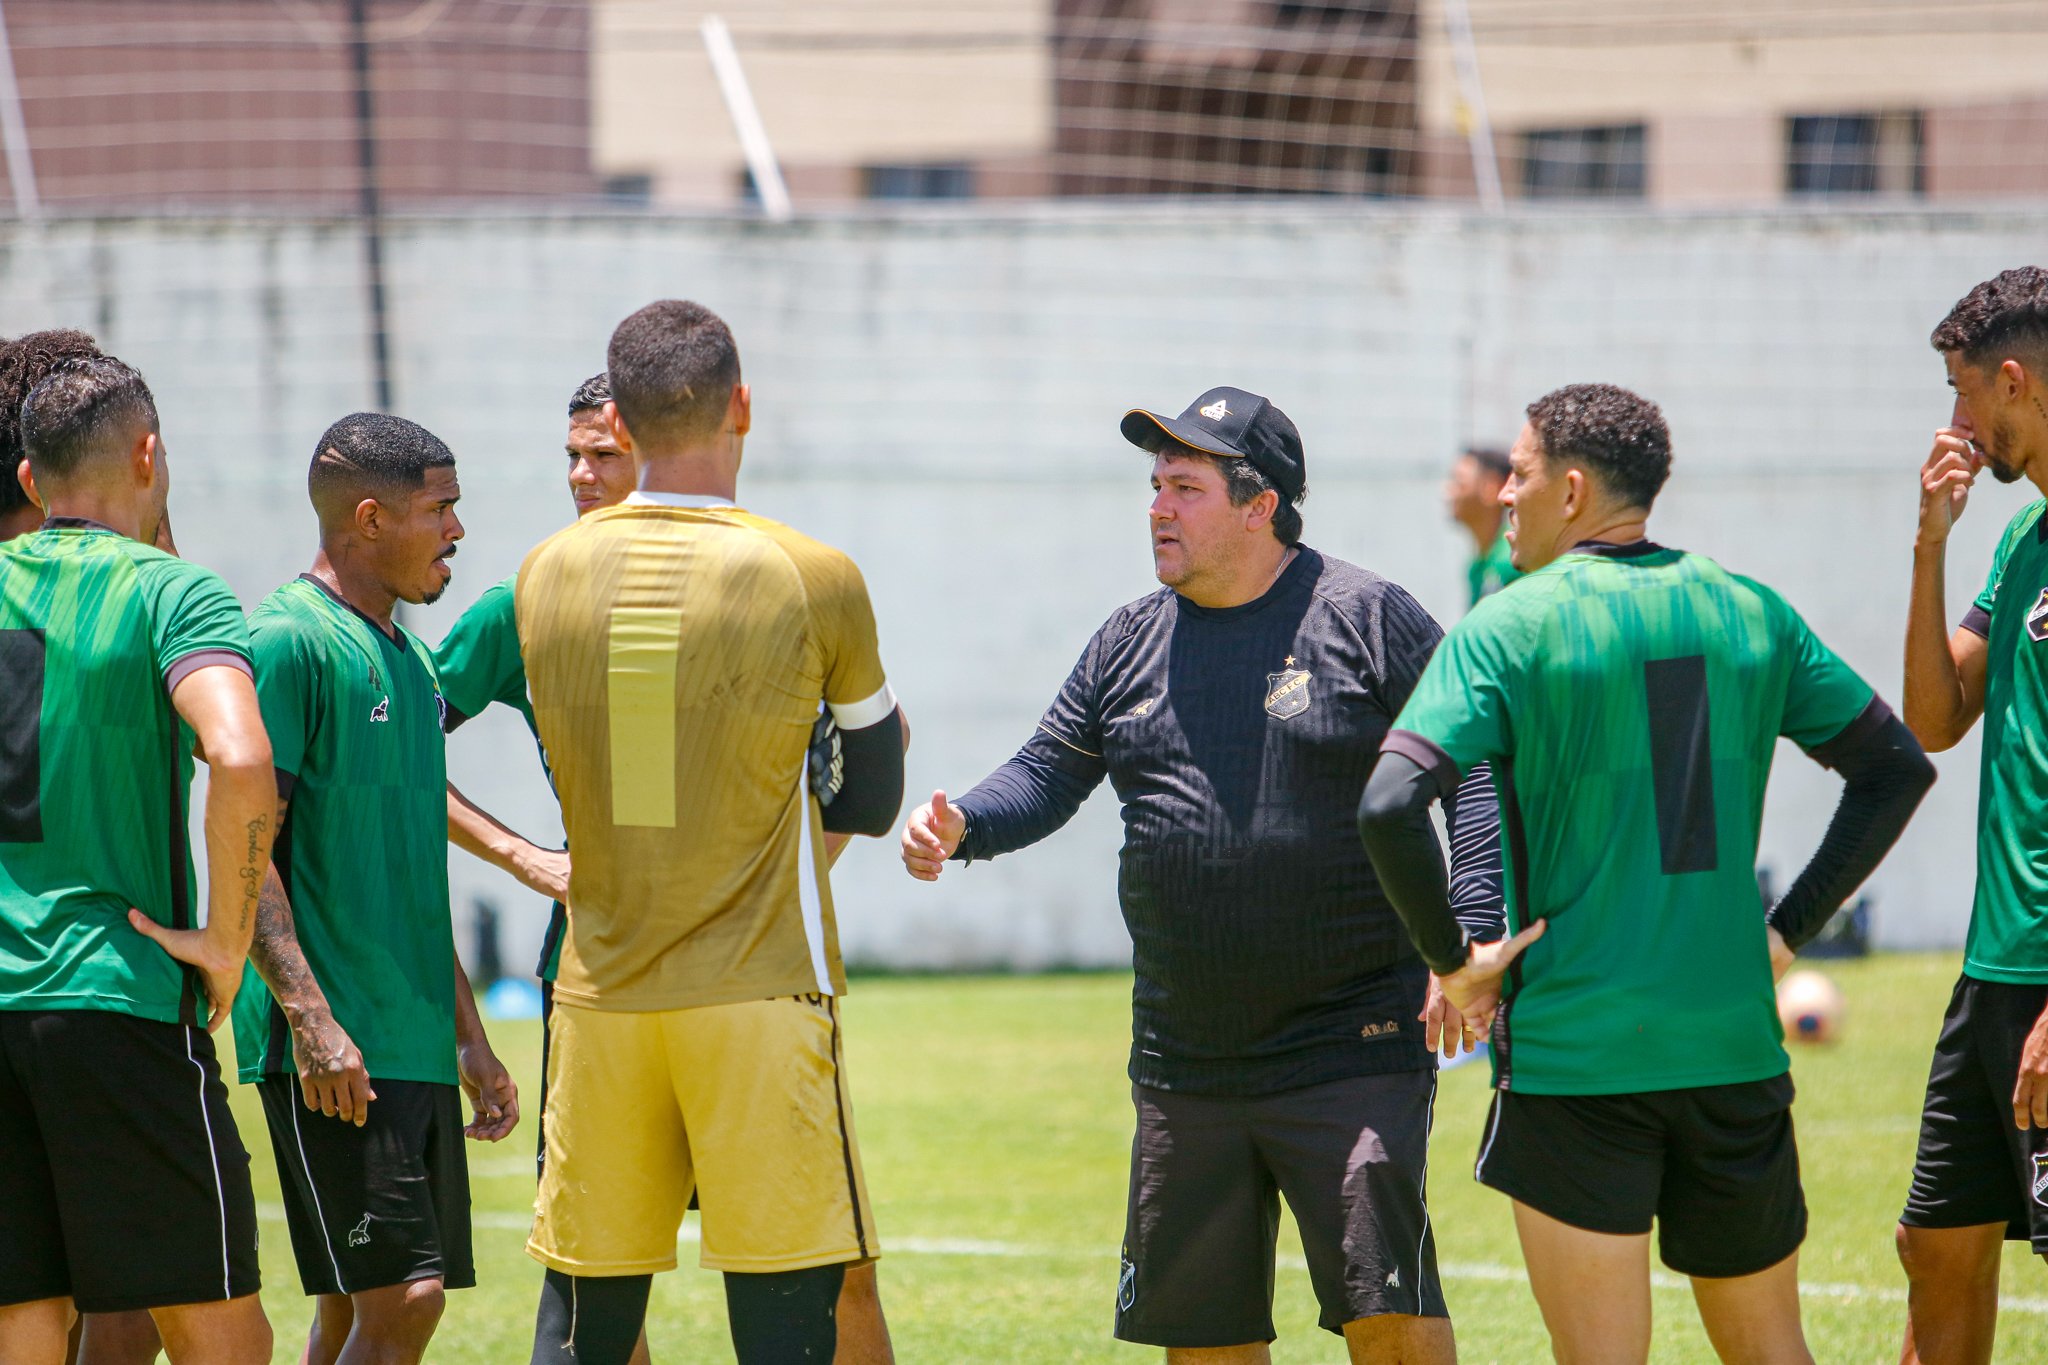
[(359, 1235), (1127, 1287), (1287, 693), (1379, 1030), (2037, 618), (2041, 1178), (381, 711), (1393, 1279), (1143, 708)]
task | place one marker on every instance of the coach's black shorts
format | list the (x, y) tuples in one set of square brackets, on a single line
[(1975, 1166), (123, 1183), (383, 1204), (1207, 1175), (1715, 1165)]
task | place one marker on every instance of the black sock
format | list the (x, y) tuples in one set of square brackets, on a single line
[(589, 1319), (787, 1318)]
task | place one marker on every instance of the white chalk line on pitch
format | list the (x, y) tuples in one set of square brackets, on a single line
[(1451, 1270)]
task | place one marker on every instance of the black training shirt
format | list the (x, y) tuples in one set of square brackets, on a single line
[(1238, 741)]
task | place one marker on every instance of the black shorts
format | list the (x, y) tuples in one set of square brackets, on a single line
[(1207, 1174), (123, 1183), (1975, 1166), (383, 1204), (1715, 1166)]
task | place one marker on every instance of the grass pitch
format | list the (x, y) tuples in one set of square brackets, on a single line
[(995, 1123)]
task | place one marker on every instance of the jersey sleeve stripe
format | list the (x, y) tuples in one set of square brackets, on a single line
[(185, 666), (859, 715), (1425, 755)]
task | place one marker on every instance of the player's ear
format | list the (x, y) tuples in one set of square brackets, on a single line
[(145, 459), (28, 484), (2012, 380), (1577, 492), (369, 518), (742, 409), (621, 437)]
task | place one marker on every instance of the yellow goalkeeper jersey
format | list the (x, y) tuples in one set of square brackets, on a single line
[(677, 650)]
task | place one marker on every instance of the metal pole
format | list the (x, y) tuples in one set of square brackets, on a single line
[(369, 206), (746, 119), (1479, 133), (21, 168)]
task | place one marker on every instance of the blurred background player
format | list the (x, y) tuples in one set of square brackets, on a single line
[(123, 1182), (677, 650), (1472, 496), (1981, 1176), (479, 663), (1278, 1040), (1630, 698), (367, 1025)]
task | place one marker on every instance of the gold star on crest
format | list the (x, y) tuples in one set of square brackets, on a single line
[(1289, 663)]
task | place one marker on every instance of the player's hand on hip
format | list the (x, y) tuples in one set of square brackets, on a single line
[(1446, 1028), (493, 1098), (544, 870), (1945, 481), (1782, 954), (331, 1072), (2030, 1096), (934, 832), (219, 975), (1475, 987)]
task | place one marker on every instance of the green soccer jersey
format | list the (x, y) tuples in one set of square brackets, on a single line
[(1629, 699), (2008, 938), (479, 663), (1494, 570), (354, 717), (96, 630)]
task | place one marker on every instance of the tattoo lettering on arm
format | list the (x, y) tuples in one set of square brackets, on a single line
[(252, 869)]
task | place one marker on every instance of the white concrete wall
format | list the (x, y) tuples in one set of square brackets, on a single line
[(938, 394)]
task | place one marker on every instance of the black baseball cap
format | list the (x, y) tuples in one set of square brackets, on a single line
[(1234, 424)]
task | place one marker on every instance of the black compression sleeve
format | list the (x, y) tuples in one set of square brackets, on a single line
[(872, 791), (785, 1317), (1472, 820), (589, 1320), (1027, 798), (1393, 820), (1886, 774)]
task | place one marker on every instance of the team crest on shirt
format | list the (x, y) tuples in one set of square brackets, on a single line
[(2041, 1178), (2037, 618), (1287, 693)]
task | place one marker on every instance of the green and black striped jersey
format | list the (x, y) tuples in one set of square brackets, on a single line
[(354, 716), (1630, 699), (96, 630)]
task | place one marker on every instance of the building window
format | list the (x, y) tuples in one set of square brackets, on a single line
[(1854, 154), (1583, 163), (930, 180)]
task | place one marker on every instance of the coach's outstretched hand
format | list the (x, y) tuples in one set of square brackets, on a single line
[(934, 832), (332, 1076), (493, 1099), (1475, 987), (221, 977)]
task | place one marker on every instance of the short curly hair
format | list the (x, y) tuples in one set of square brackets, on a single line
[(1620, 436), (26, 362), (2007, 315)]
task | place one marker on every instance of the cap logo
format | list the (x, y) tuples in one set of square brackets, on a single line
[(1216, 411)]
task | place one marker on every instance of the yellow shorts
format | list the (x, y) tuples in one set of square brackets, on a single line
[(744, 1104)]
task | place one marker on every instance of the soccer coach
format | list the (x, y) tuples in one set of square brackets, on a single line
[(1278, 1045)]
